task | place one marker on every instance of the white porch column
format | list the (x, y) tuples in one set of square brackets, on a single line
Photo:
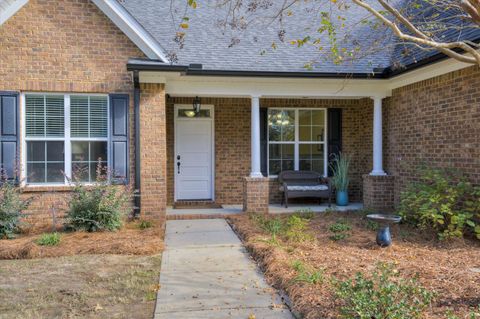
[(377, 137), (255, 136)]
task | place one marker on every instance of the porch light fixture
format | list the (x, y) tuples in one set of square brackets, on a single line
[(196, 105)]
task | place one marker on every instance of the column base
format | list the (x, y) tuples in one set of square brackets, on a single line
[(378, 192), (255, 195)]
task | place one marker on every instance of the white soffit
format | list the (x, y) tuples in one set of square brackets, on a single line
[(9, 7), (132, 29)]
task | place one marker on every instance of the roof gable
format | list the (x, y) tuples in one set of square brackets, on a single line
[(9, 7)]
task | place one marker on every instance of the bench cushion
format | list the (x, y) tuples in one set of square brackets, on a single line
[(306, 187)]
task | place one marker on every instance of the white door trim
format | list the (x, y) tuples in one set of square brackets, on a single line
[(176, 119)]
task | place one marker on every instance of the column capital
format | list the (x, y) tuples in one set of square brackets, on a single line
[(255, 96), (378, 97)]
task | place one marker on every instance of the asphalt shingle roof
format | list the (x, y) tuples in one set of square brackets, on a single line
[(208, 43)]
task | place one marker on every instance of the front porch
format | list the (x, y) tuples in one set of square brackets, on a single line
[(228, 210), (230, 152)]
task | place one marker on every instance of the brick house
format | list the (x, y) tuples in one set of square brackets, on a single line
[(82, 80)]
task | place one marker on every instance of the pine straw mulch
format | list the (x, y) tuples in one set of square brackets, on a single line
[(130, 240), (450, 269)]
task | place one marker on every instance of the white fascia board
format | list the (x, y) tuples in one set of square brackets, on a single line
[(426, 72), (179, 85), (132, 29), (11, 9)]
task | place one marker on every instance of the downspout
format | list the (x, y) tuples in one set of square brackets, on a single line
[(136, 102)]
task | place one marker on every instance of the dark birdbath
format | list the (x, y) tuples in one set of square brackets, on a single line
[(384, 239)]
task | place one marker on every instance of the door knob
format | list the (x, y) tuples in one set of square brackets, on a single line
[(178, 167)]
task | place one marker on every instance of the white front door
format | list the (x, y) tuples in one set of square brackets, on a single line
[(193, 154)]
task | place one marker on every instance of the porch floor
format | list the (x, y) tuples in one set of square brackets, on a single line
[(273, 209)]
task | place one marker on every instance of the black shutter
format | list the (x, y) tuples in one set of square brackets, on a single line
[(9, 136), (263, 140), (119, 142), (334, 134)]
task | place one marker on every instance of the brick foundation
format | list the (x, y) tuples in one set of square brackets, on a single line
[(255, 195), (378, 192)]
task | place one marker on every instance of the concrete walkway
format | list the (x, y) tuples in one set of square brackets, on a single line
[(206, 273)]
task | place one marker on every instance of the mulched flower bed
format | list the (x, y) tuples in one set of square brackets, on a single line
[(130, 240), (450, 269)]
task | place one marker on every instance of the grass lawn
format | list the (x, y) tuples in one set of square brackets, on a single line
[(305, 260), (86, 286)]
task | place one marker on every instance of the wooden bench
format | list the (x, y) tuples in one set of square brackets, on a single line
[(303, 184)]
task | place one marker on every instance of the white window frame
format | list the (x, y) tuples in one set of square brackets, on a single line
[(296, 142), (66, 139)]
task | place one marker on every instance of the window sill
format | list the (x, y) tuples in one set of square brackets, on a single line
[(47, 188)]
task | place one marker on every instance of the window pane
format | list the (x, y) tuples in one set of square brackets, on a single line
[(288, 133), (305, 165), (281, 125), (318, 166), (79, 116), (288, 151), (89, 116), (317, 151), (80, 151), (80, 171), (36, 172), (98, 116), (305, 133), (305, 117), (44, 115), (318, 134), (274, 133), (305, 151), (36, 151), (318, 117), (98, 151), (55, 173), (288, 165), (55, 152), (275, 151), (94, 167), (274, 167)]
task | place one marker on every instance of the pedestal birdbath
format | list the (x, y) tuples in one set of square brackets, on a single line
[(384, 239)]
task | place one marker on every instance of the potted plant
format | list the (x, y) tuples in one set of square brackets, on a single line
[(340, 180)]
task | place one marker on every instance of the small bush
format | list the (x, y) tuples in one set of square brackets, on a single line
[(49, 239), (443, 200), (339, 230), (101, 206), (144, 224), (383, 296), (11, 208), (296, 229), (293, 228), (307, 274)]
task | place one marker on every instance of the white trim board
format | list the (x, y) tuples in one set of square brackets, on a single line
[(177, 84), (9, 7), (134, 30)]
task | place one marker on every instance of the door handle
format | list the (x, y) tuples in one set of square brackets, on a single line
[(178, 167)]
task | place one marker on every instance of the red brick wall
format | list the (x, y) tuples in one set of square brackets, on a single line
[(378, 192), (434, 122), (232, 142), (64, 46), (153, 150), (255, 199)]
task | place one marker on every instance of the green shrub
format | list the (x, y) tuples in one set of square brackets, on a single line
[(339, 230), (383, 296), (101, 206), (11, 208), (307, 274), (443, 200), (49, 239), (144, 224), (293, 228), (305, 213), (296, 229)]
